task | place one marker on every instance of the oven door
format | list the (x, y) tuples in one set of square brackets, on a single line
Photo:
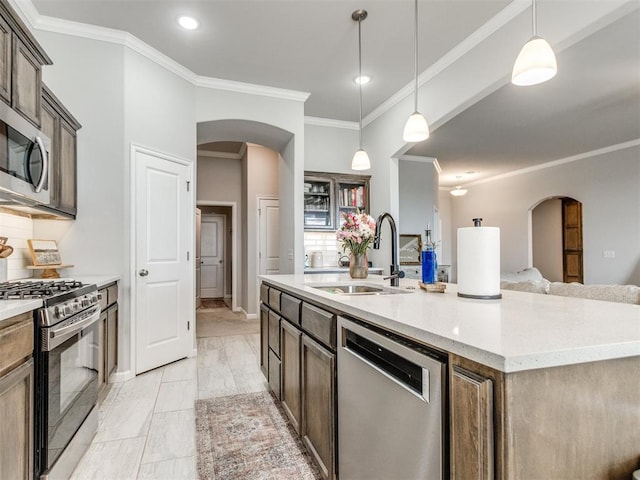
[(68, 379)]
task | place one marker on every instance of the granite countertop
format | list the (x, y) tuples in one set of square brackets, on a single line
[(522, 331)]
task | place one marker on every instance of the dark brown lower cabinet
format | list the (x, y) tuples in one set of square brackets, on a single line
[(264, 341), (290, 372), (16, 423), (318, 405)]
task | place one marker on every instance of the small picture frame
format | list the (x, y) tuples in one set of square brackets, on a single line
[(410, 248), (44, 252)]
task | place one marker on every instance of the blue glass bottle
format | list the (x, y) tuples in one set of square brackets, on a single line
[(428, 260)]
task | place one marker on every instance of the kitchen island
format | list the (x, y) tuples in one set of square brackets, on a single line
[(538, 386)]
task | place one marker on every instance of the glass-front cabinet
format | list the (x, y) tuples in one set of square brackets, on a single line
[(327, 196), (318, 203)]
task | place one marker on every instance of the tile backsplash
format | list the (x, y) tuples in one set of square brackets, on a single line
[(18, 230), (324, 242)]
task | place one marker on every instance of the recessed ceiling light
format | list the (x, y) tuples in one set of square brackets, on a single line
[(188, 23), (363, 80)]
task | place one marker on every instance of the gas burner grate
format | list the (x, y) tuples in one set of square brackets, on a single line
[(24, 290)]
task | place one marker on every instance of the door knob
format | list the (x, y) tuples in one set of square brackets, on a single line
[(143, 272)]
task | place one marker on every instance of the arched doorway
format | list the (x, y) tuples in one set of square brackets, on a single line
[(556, 233)]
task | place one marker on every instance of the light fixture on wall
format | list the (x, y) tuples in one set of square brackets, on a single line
[(416, 128), (458, 191), (360, 159), (536, 62)]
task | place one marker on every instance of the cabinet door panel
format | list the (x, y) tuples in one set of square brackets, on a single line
[(26, 82), (67, 168), (318, 405), (290, 372), (112, 341), (264, 341), (274, 374), (5, 61), (16, 423), (472, 436)]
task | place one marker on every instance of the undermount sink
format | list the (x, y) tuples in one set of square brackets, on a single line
[(359, 289)]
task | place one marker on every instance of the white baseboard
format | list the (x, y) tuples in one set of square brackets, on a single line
[(117, 377), (194, 353), (248, 316)]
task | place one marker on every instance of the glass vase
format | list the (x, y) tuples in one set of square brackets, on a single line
[(358, 265)]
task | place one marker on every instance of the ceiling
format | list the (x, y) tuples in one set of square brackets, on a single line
[(311, 46)]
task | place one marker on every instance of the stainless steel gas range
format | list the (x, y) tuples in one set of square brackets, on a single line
[(66, 370)]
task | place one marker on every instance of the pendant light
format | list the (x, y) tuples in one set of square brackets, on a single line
[(536, 62), (416, 128), (360, 159)]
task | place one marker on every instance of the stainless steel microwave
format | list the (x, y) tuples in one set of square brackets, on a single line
[(24, 160)]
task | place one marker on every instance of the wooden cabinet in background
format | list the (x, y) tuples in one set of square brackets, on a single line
[(61, 127), (5, 61), (328, 195)]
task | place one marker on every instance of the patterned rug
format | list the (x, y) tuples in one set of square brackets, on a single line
[(213, 303), (247, 437)]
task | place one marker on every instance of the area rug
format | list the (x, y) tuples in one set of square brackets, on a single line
[(213, 303), (247, 437)]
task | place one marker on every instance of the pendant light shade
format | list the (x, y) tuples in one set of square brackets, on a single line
[(536, 62), (360, 159), (416, 128), (458, 191)]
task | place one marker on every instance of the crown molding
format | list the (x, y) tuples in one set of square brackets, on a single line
[(30, 15), (328, 122), (494, 24), (556, 163)]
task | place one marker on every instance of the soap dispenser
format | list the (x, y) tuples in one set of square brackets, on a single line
[(428, 259)]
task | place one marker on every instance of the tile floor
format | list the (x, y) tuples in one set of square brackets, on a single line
[(147, 426)]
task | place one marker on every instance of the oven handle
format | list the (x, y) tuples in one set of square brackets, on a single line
[(59, 335)]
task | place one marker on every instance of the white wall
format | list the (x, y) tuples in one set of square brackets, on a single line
[(418, 196), (18, 229), (262, 181), (546, 233), (607, 186), (329, 149)]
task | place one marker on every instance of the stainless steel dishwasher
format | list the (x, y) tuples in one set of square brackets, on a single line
[(390, 407)]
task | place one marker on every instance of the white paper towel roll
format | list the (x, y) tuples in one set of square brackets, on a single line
[(479, 262)]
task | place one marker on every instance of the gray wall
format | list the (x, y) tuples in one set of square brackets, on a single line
[(607, 186), (329, 149), (418, 196), (546, 232)]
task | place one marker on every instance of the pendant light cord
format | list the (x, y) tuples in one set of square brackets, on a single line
[(360, 75), (534, 22), (415, 41)]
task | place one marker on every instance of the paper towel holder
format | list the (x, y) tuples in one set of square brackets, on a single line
[(477, 222)]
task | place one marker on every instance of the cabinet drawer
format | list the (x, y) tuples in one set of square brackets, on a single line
[(16, 341), (104, 298), (319, 323), (264, 294), (290, 308), (274, 299), (274, 333)]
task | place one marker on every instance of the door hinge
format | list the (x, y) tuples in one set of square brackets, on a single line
[(259, 211), (188, 185), (188, 325), (187, 255)]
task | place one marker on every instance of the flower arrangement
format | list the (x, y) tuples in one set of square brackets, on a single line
[(357, 232)]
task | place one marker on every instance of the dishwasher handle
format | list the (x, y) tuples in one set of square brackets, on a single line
[(406, 373)]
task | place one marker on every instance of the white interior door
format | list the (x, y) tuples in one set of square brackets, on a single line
[(212, 256), (164, 275), (198, 259), (269, 254)]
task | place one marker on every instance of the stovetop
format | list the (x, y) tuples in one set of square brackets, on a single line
[(30, 289)]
